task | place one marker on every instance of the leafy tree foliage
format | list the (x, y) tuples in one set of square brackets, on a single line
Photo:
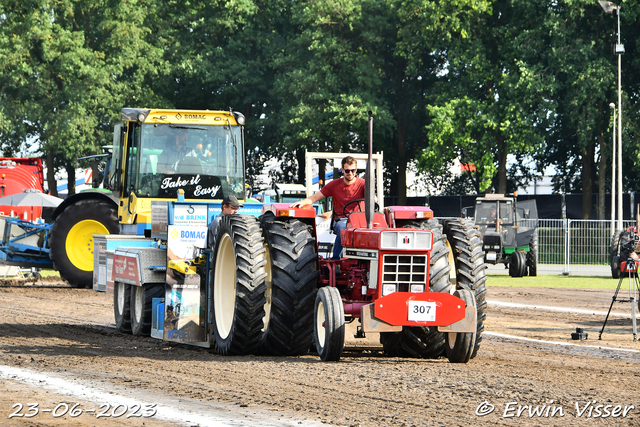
[(70, 66), (465, 80)]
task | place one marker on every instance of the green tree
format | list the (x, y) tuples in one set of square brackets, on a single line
[(71, 66), (327, 78), (488, 103)]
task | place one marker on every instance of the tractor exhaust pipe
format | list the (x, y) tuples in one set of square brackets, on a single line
[(369, 186)]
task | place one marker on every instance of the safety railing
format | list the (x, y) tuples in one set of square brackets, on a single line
[(575, 246)]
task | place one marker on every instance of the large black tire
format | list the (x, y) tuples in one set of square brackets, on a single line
[(122, 306), (419, 341), (71, 239), (291, 290), (465, 243), (532, 255), (142, 306), (461, 345), (523, 264), (329, 329), (517, 264), (614, 255), (239, 285)]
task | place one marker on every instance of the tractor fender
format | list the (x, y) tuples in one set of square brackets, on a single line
[(107, 196), (283, 211)]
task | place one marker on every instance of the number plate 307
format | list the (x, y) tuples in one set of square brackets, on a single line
[(422, 311)]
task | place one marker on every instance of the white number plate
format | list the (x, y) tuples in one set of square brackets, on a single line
[(422, 311)]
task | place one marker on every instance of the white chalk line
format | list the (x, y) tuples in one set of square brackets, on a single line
[(513, 337), (561, 309)]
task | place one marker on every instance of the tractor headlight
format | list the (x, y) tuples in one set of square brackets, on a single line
[(388, 289), (406, 239), (239, 118), (417, 288)]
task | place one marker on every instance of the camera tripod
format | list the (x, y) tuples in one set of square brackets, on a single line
[(631, 268)]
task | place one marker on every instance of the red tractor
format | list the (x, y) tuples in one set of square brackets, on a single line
[(395, 278), (418, 282)]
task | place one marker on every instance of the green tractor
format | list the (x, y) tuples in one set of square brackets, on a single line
[(509, 232)]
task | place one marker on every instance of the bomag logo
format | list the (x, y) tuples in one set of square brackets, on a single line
[(178, 116), (194, 117), (188, 234)]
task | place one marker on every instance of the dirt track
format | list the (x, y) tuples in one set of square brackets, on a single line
[(54, 330)]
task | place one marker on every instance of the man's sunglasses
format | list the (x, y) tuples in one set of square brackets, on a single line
[(349, 170)]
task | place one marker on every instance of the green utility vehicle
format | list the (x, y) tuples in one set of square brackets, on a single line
[(509, 232)]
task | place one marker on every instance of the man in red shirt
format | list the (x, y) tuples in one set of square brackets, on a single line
[(343, 191)]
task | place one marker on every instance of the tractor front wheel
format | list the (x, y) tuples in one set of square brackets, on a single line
[(517, 264), (459, 346), (329, 325)]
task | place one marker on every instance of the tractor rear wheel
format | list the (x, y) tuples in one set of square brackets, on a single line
[(328, 331), (291, 291), (460, 345), (614, 251), (71, 239), (465, 242), (532, 255), (239, 285), (142, 306), (122, 306), (420, 341)]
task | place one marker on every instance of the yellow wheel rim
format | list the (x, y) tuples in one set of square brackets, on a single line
[(79, 243)]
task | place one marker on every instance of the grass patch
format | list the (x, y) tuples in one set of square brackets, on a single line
[(49, 273), (555, 281)]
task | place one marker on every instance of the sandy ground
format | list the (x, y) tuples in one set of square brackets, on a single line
[(51, 330)]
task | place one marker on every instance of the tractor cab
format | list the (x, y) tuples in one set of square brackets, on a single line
[(158, 152)]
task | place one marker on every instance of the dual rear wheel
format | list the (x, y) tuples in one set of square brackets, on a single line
[(264, 286), (132, 307)]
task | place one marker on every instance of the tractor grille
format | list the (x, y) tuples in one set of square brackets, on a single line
[(492, 242), (404, 270)]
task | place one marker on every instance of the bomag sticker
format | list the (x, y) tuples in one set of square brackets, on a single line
[(195, 117)]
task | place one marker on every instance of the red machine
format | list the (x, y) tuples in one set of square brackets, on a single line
[(385, 280), (417, 282), (16, 175)]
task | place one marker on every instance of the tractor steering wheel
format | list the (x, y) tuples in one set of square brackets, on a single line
[(376, 207)]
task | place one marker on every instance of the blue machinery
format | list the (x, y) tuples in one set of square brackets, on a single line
[(24, 243)]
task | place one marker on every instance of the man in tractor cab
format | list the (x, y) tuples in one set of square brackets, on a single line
[(174, 153), (230, 205), (343, 191)]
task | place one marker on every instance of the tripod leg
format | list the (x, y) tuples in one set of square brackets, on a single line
[(615, 296), (633, 319), (633, 311)]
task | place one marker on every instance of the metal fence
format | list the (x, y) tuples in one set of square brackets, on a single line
[(575, 246)]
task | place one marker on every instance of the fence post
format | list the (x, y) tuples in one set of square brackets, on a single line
[(567, 239)]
